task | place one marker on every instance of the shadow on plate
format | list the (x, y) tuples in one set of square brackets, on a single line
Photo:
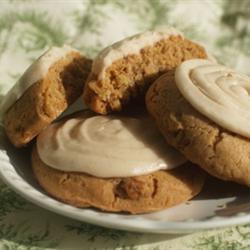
[(218, 197), (20, 158)]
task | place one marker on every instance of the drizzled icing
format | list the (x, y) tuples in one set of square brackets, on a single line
[(106, 146), (219, 93)]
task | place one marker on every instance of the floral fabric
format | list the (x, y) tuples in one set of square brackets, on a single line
[(29, 27)]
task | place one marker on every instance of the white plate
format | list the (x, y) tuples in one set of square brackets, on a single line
[(219, 205)]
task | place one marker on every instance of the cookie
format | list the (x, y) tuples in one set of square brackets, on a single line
[(220, 152), (141, 194), (47, 88), (124, 70)]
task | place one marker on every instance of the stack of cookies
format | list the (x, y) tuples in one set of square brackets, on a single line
[(160, 112)]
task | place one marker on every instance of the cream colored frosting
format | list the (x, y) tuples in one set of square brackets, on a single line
[(106, 146), (130, 45), (219, 93), (34, 73)]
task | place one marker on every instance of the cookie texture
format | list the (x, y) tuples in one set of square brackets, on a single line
[(221, 153), (46, 99), (135, 195), (130, 76)]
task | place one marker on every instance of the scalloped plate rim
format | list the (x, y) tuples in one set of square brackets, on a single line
[(10, 177)]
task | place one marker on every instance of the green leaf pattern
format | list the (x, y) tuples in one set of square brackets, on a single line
[(28, 27)]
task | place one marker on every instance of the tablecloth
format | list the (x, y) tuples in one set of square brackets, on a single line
[(29, 27)]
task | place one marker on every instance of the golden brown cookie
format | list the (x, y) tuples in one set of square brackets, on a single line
[(141, 194), (46, 98), (218, 151), (122, 72)]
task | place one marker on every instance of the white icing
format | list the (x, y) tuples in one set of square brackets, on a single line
[(34, 73), (219, 93), (106, 146), (130, 45)]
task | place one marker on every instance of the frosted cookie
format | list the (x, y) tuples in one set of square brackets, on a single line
[(46, 89), (112, 163), (126, 69), (203, 111)]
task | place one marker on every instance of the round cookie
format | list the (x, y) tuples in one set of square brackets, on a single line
[(215, 149), (46, 89), (141, 194), (125, 69)]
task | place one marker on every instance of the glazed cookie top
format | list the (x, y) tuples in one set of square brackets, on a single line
[(219, 93), (106, 146), (128, 46), (34, 73)]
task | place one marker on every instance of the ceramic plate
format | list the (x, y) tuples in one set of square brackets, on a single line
[(220, 204)]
